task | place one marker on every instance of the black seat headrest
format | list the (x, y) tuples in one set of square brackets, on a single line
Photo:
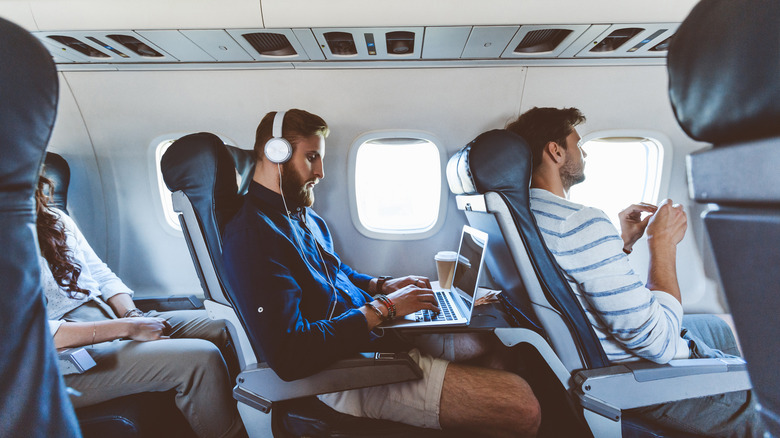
[(201, 166), (57, 169), (501, 161), (32, 397), (724, 71)]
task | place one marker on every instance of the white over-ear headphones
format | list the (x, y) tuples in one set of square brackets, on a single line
[(278, 150)]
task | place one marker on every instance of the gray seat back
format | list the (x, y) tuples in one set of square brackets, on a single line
[(724, 85), (33, 402), (496, 167)]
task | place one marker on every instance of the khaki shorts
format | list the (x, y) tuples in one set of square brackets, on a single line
[(415, 402)]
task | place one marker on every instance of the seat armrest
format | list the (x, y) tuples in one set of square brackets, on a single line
[(74, 361), (168, 303), (638, 384), (259, 386)]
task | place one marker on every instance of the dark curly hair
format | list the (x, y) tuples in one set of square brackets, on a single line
[(53, 242)]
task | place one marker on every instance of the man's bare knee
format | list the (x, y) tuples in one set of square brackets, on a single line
[(490, 402)]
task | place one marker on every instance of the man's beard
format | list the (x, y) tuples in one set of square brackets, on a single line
[(294, 188), (572, 174)]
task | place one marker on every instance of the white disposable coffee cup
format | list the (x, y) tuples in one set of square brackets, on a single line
[(445, 267)]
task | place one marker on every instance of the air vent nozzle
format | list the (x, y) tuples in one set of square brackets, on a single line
[(270, 44), (400, 42), (136, 46), (79, 46), (542, 40), (616, 39), (341, 43)]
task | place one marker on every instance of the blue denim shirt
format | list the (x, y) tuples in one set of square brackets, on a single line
[(285, 275)]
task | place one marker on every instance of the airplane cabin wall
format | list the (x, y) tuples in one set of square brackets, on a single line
[(126, 113)]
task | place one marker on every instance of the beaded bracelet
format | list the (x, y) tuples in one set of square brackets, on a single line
[(377, 311), (133, 313), (389, 304)]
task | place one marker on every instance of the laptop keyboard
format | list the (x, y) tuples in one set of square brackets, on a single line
[(446, 314)]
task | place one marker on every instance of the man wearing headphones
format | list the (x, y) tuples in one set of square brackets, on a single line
[(312, 309)]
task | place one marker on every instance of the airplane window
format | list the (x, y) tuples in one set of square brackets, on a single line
[(620, 171), (396, 185), (171, 217)]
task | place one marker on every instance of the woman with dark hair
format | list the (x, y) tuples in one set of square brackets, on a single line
[(89, 306)]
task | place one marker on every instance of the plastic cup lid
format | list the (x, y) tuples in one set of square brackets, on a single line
[(446, 256)]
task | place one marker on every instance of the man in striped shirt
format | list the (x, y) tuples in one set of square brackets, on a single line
[(633, 319)]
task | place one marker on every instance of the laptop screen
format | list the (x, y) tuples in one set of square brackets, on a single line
[(469, 263)]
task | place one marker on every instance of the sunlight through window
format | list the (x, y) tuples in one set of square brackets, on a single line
[(619, 171), (397, 185)]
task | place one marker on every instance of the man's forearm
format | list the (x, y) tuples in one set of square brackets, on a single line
[(662, 275)]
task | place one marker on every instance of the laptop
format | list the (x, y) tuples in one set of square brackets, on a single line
[(457, 302)]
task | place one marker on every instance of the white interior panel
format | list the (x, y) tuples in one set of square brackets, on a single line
[(178, 45), (18, 11), (219, 44), (145, 14), (352, 13), (86, 201), (610, 100), (488, 41), (123, 122), (445, 42)]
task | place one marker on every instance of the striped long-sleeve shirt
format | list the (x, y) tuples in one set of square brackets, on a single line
[(631, 321)]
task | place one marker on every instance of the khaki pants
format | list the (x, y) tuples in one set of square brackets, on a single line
[(189, 363)]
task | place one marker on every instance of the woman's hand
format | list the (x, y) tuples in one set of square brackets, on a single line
[(78, 334), (147, 329)]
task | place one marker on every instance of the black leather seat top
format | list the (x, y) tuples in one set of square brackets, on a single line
[(724, 71)]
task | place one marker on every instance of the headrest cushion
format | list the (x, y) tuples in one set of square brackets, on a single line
[(57, 170), (724, 71), (497, 160), (201, 166)]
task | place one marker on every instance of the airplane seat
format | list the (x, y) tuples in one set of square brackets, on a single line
[(490, 178), (136, 415), (33, 401), (724, 86), (56, 168), (201, 172)]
